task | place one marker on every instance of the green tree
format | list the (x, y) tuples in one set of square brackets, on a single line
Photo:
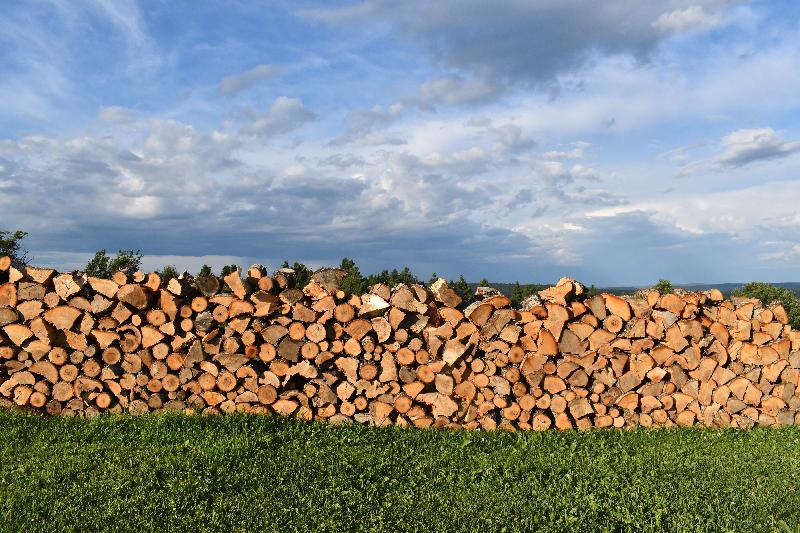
[(205, 270), (664, 286), (483, 283), (103, 266), (227, 269), (353, 282), (769, 294), (11, 245), (168, 272), (432, 279), (462, 289), (302, 274), (592, 291), (395, 277), (517, 295)]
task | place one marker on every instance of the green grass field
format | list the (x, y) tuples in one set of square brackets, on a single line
[(251, 473)]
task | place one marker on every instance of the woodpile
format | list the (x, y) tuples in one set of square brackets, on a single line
[(408, 355)]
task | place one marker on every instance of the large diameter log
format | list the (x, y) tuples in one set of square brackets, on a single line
[(443, 294), (234, 283), (62, 317), (329, 279), (18, 333), (133, 295), (372, 306), (106, 287), (67, 285), (8, 295), (617, 306), (8, 316)]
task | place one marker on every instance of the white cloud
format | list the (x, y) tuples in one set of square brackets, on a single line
[(751, 213), (284, 115), (688, 18), (787, 251), (749, 145), (116, 114), (363, 123), (577, 151), (236, 83), (509, 137), (577, 184), (738, 149), (455, 90)]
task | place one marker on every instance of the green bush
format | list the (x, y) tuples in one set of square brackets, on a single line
[(168, 272), (103, 266), (664, 286), (770, 293), (11, 245)]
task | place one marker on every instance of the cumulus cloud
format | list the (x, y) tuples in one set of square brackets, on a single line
[(509, 137), (577, 151), (749, 145), (285, 114), (687, 18), (363, 123), (236, 83), (187, 192), (755, 213), (576, 184), (740, 148), (786, 251), (342, 161), (456, 90)]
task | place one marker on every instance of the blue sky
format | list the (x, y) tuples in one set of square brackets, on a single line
[(617, 142)]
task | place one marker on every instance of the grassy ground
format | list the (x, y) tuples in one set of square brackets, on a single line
[(251, 473)]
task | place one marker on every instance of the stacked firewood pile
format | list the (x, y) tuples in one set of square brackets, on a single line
[(406, 355)]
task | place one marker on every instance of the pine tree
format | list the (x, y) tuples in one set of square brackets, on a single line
[(517, 295), (302, 274), (228, 269), (353, 282), (462, 289)]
